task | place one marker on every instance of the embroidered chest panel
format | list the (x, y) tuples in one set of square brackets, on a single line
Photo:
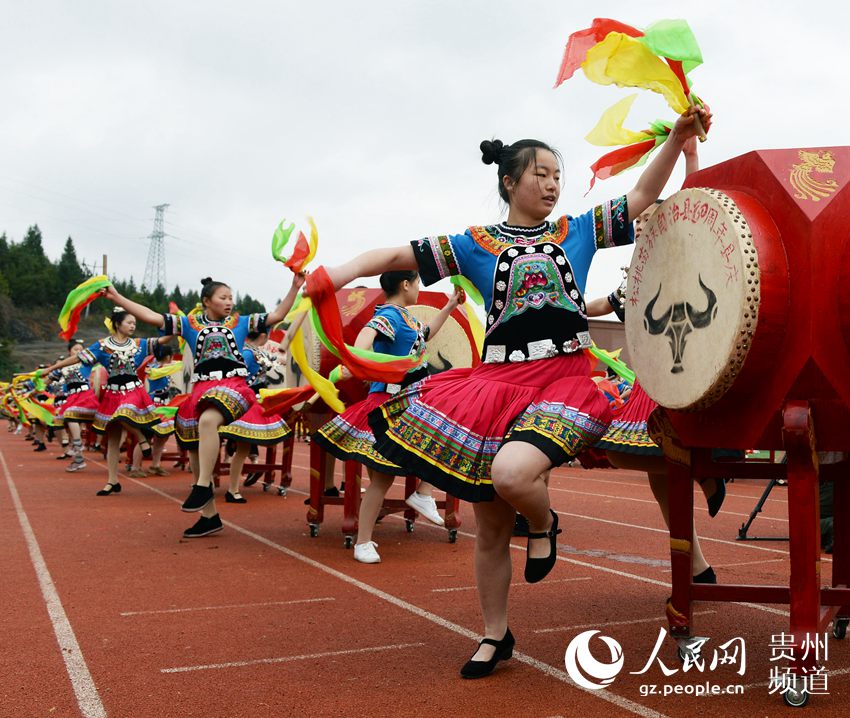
[(217, 342), (532, 277), (122, 357), (535, 282)]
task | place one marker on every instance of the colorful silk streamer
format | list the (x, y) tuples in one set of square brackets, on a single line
[(304, 251), (78, 299), (165, 370), (362, 363), (656, 59), (323, 387), (611, 360)]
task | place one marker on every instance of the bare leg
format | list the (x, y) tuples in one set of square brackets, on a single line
[(424, 488), (194, 464), (208, 448), (658, 484), (519, 477), (137, 458), (370, 504), (113, 453), (158, 446), (495, 521), (237, 461)]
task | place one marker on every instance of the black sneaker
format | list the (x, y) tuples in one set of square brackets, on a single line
[(204, 527), (200, 497)]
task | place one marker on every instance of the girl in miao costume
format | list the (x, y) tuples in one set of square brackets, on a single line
[(79, 407), (124, 403), (392, 330), (488, 434), (221, 404)]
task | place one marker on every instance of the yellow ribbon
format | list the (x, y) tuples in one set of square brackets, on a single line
[(609, 131), (323, 387), (624, 61)]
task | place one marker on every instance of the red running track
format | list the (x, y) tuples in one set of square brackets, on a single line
[(109, 612)]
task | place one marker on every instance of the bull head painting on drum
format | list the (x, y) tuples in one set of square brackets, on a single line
[(679, 321), (736, 298)]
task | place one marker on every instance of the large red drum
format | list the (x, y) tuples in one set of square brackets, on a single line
[(737, 299)]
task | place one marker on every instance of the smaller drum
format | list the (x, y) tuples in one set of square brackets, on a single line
[(706, 277)]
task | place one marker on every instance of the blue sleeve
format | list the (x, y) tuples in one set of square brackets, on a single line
[(250, 362), (174, 324), (606, 225), (145, 348), (93, 355)]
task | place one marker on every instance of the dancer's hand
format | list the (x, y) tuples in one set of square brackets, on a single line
[(458, 297), (686, 125)]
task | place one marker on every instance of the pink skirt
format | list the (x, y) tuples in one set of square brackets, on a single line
[(628, 432), (349, 437), (244, 420), (80, 406), (448, 428), (132, 408)]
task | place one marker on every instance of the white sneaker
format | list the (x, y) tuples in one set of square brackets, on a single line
[(366, 553), (426, 506), (75, 466)]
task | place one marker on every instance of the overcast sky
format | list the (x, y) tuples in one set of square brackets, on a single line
[(366, 115)]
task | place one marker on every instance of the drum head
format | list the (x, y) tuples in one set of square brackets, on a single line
[(450, 348), (692, 299)]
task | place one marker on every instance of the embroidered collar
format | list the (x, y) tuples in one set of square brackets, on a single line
[(409, 319), (199, 320), (496, 238)]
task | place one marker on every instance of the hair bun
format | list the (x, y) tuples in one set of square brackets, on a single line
[(206, 280), (117, 310), (491, 151)]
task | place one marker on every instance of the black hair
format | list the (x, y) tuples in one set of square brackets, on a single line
[(161, 351), (118, 315), (513, 160), (74, 342), (390, 281), (253, 336), (209, 286)]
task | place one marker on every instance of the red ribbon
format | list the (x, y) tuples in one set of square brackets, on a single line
[(321, 291), (620, 159), (582, 40)]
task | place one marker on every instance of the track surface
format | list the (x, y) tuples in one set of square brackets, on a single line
[(109, 612)]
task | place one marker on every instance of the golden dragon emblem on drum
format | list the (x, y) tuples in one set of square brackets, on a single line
[(354, 302), (806, 186)]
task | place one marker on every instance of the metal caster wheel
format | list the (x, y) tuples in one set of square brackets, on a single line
[(452, 535), (839, 628), (409, 525), (348, 541), (314, 530), (266, 487), (795, 698), (689, 648), (281, 491)]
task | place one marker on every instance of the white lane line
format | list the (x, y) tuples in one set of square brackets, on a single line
[(82, 682), (472, 588), (605, 569), (656, 619), (289, 659), (232, 605), (616, 572), (544, 668)]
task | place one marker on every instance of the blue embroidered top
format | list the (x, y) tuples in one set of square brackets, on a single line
[(120, 359), (535, 272), (399, 334), (157, 388), (217, 345)]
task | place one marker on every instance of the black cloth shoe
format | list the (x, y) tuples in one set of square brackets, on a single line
[(252, 478), (39, 446), (536, 569), (707, 576), (200, 497), (204, 527), (520, 525), (504, 650), (715, 501), (332, 492), (234, 499), (113, 489)]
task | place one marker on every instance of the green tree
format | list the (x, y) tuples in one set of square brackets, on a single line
[(30, 274), (68, 272)]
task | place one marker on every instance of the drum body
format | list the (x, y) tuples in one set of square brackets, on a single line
[(737, 299)]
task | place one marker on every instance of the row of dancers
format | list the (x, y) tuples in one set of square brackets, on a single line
[(488, 434)]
